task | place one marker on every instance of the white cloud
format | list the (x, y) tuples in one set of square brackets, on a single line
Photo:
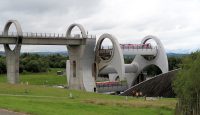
[(175, 22)]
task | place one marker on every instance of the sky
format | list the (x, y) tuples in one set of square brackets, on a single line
[(175, 22)]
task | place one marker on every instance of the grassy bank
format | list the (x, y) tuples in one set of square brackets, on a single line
[(47, 78), (43, 100), (39, 98)]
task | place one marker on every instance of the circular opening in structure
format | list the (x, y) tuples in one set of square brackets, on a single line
[(151, 42), (151, 48), (12, 32), (106, 49), (128, 59), (148, 73), (76, 32)]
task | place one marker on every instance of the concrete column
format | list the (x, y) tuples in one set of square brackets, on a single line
[(12, 56), (75, 78), (12, 63), (80, 66), (81, 62)]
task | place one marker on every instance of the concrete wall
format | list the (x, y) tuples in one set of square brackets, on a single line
[(83, 56)]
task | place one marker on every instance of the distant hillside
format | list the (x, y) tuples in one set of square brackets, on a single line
[(176, 55), (41, 53), (65, 53)]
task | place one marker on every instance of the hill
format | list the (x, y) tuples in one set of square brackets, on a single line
[(176, 55), (64, 53)]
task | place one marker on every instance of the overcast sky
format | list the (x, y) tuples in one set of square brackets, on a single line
[(175, 22)]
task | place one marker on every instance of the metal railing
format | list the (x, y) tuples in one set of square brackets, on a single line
[(114, 84), (106, 51), (43, 35), (131, 47), (111, 87), (137, 46)]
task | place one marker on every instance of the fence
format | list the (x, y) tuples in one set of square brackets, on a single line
[(43, 35)]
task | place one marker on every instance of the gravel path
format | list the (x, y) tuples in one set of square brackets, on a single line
[(6, 112)]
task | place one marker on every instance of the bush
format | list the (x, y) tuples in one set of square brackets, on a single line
[(2, 65)]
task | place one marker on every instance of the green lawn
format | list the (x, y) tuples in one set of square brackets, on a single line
[(47, 78), (45, 100)]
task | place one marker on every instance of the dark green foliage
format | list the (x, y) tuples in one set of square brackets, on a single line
[(36, 63), (2, 65), (152, 70), (187, 82), (174, 62), (33, 63), (128, 59), (57, 61)]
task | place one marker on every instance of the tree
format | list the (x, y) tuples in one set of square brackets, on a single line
[(187, 83), (174, 62), (36, 66), (2, 65)]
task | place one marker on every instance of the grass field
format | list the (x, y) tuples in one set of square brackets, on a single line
[(47, 78), (46, 100)]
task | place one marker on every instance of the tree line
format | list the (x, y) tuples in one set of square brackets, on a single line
[(36, 63), (41, 63)]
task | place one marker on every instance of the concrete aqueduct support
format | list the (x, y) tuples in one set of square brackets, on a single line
[(160, 60), (115, 64), (115, 67), (12, 56), (79, 65)]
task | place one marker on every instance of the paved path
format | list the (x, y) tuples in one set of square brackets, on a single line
[(6, 112)]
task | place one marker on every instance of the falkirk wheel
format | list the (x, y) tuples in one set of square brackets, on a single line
[(114, 66), (88, 60), (98, 61)]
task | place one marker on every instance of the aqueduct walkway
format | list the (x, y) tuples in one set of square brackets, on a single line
[(43, 39)]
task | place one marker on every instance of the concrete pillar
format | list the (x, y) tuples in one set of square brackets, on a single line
[(12, 63), (75, 78), (12, 56), (68, 71), (81, 62), (80, 66)]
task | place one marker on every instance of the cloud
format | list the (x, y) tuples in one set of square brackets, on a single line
[(175, 22)]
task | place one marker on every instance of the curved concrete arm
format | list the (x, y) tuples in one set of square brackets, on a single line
[(69, 30), (19, 33)]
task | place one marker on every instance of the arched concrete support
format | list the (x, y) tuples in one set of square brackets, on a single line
[(12, 56), (116, 61), (83, 32), (81, 62), (160, 60)]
